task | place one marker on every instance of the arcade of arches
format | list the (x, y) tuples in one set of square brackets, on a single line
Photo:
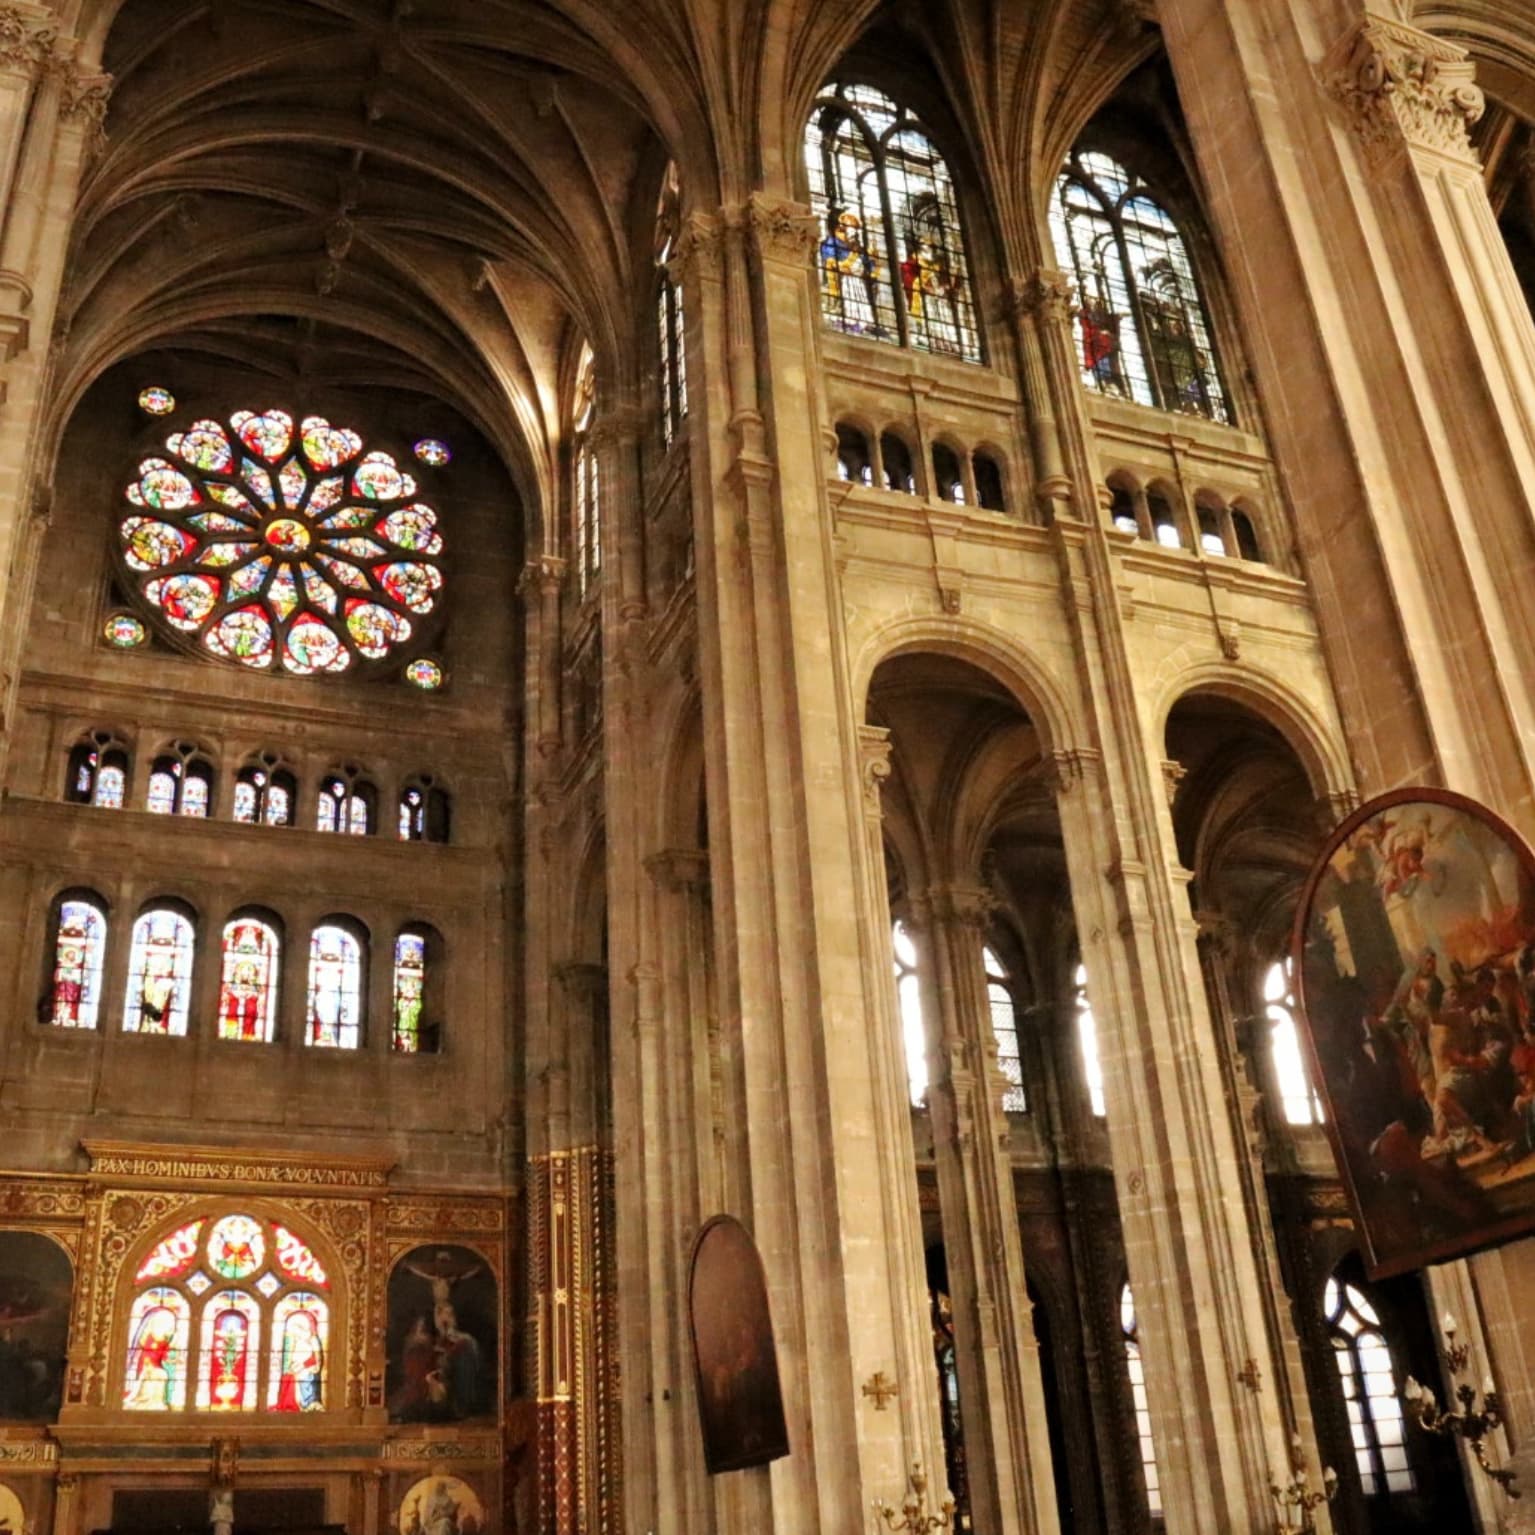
[(618, 612)]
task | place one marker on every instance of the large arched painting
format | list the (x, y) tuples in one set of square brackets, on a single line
[(740, 1404), (1415, 959), (36, 1282), (442, 1336)]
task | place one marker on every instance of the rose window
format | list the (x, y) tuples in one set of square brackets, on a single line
[(282, 547)]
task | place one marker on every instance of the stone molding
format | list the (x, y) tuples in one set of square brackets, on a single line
[(1401, 86)]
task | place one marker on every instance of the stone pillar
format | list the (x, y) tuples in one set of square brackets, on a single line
[(66, 1512), (1038, 303), (1007, 1448)]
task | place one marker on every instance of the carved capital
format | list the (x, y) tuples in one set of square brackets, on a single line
[(542, 575), (1045, 297), (1403, 88), (781, 230), (699, 251), (679, 868), (28, 40), (1064, 770), (581, 981), (874, 764), (970, 906), (85, 102), (620, 425), (1173, 774)]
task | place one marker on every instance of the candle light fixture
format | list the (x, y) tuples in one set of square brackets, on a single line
[(1469, 1422), (1299, 1500), (913, 1513)]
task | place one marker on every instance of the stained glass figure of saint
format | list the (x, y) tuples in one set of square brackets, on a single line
[(159, 973), (300, 1324), (248, 983), (158, 1326), (409, 988), (74, 998), (335, 987)]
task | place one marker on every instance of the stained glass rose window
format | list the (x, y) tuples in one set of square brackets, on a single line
[(282, 547)]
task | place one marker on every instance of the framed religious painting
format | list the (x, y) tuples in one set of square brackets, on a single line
[(740, 1402), (1414, 956)]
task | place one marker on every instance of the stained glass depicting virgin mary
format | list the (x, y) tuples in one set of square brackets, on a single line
[(1415, 952)]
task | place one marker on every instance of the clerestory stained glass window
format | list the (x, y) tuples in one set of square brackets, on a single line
[(891, 256), (409, 991), (248, 980), (79, 945), (1142, 324), (1004, 1028), (335, 987), (159, 972), (281, 546)]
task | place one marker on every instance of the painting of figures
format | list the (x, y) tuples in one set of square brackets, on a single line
[(442, 1336), (441, 1505), (35, 1285), (740, 1404), (1415, 960)]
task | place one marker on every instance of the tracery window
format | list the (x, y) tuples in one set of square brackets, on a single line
[(180, 782), (1143, 326), (73, 999), (1004, 1026), (671, 337), (98, 772), (411, 1034), (908, 992), (588, 494), (249, 961), (1087, 1045), (1130, 1330), (892, 256), (334, 1014), (1369, 1389), (264, 794), (249, 1292), (279, 546), (1300, 1100), (423, 812), (345, 805), (160, 971)]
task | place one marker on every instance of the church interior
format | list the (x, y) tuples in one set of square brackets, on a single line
[(785, 595)]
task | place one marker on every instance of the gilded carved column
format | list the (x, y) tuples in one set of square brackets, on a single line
[(1007, 1449)]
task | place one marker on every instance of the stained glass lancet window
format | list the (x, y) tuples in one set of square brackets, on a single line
[(281, 546), (231, 1322), (1142, 324), (335, 987), (588, 518), (1369, 1389), (1087, 1044), (671, 338), (908, 993), (248, 979), (1133, 1365), (409, 991), (264, 796), (79, 945), (1004, 1027), (345, 805), (159, 972), (891, 255), (1300, 1100), (98, 772)]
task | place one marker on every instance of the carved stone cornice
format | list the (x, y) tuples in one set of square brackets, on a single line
[(29, 39), (874, 764), (1046, 297), (1405, 88)]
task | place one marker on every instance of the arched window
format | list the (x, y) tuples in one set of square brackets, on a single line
[(1248, 547), (1122, 508), (1004, 1025), (231, 1284), (853, 461), (98, 772), (588, 491), (908, 992), (886, 205), (249, 961), (948, 474), (264, 794), (280, 546), (1212, 541), (1144, 330), (415, 955), (181, 782), (671, 337), (424, 812), (1131, 1333), (346, 804), (1369, 1389), (895, 457), (334, 1012), (73, 999), (987, 473), (1164, 520), (160, 971), (1301, 1103), (1087, 1044)]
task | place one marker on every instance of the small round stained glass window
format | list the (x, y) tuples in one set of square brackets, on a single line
[(123, 631), (279, 545), (424, 674), (433, 452), (157, 401)]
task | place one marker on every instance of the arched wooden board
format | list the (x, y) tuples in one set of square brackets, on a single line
[(1414, 955), (740, 1403)]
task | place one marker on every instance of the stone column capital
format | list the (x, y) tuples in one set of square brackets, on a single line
[(1403, 87), (29, 40), (874, 751), (581, 980), (679, 868), (1045, 296), (970, 906), (699, 250), (780, 229), (1065, 768), (543, 574)]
